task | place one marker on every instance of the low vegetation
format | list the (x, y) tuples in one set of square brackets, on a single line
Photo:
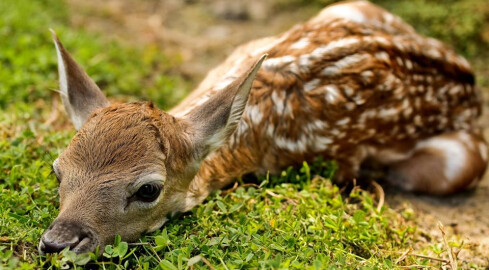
[(296, 220)]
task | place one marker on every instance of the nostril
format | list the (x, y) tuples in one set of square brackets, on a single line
[(65, 233), (48, 246)]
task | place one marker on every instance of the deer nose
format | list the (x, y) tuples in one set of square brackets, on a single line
[(62, 234), (49, 246)]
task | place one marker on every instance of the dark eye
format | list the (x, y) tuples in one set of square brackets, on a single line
[(148, 192)]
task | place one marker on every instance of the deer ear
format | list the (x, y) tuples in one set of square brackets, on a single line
[(80, 95), (214, 121)]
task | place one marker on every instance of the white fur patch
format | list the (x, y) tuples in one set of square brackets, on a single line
[(343, 121), (348, 12), (319, 52), (279, 62), (454, 152), (332, 93), (311, 85), (300, 44), (278, 102), (387, 113), (315, 126), (254, 114), (466, 139), (382, 56), (304, 142), (293, 146), (343, 63)]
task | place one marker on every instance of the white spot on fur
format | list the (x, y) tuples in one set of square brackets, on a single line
[(380, 40), (334, 132), (348, 90), (463, 62), (242, 129), (367, 75), (291, 145), (409, 64), (433, 53), (320, 143), (300, 44), (399, 61), (382, 56), (311, 85), (304, 62), (255, 114), (456, 89), (343, 121), (330, 71), (348, 12), (277, 63), (388, 18), (319, 52), (345, 62), (316, 125), (270, 130), (278, 102), (454, 155), (388, 113), (332, 93)]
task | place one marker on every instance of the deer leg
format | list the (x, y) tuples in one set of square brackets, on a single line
[(442, 165)]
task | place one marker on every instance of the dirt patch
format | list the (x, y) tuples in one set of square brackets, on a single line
[(200, 33), (203, 33)]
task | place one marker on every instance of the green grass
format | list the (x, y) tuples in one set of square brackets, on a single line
[(297, 220)]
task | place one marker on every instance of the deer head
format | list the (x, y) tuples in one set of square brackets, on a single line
[(130, 165)]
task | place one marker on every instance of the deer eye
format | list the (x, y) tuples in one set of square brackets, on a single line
[(148, 192)]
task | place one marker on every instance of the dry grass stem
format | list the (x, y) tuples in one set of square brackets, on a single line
[(208, 263), (379, 191), (451, 257), (236, 186), (269, 192), (404, 255), (419, 256)]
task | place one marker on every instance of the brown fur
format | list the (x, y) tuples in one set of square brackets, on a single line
[(353, 83)]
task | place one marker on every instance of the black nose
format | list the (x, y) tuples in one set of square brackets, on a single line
[(62, 234)]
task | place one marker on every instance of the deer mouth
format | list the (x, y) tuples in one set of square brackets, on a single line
[(63, 234)]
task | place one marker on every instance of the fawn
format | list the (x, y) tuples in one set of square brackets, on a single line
[(351, 84)]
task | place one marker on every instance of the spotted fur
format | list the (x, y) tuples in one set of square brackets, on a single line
[(355, 77), (353, 84)]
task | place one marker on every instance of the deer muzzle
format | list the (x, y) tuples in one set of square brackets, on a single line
[(66, 233)]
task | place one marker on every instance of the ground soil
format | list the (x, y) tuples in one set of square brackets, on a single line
[(203, 33)]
